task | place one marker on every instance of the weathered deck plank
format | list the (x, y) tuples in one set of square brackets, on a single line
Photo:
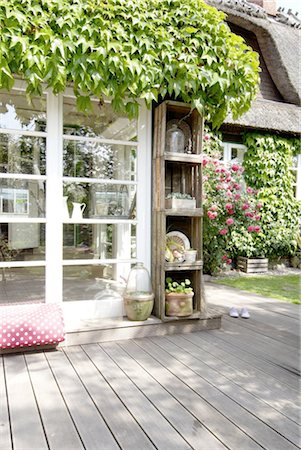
[(59, 427), (258, 383), (86, 417), (5, 437), (179, 417), (206, 415), (265, 347), (242, 419), (161, 433), (122, 424), (27, 429), (210, 368)]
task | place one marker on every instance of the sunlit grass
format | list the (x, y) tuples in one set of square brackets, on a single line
[(282, 287)]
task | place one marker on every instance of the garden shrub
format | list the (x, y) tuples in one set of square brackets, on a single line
[(231, 210)]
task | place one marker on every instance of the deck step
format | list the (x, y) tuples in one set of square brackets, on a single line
[(106, 330)]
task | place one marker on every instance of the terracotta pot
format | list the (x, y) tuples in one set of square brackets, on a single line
[(179, 305)]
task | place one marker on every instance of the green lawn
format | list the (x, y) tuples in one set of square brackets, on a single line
[(283, 287)]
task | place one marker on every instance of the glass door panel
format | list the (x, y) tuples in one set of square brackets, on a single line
[(101, 122), (16, 113), (99, 241), (22, 284)]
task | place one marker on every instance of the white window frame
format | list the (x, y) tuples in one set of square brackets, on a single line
[(227, 147), (297, 170), (54, 190)]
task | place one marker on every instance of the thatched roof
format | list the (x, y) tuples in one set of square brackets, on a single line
[(271, 116), (279, 39)]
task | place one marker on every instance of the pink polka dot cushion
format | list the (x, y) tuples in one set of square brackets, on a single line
[(28, 325)]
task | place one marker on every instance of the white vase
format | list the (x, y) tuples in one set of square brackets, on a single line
[(78, 209), (65, 208)]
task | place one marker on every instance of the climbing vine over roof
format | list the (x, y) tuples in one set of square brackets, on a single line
[(128, 49)]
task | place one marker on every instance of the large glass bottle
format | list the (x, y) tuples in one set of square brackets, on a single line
[(138, 295)]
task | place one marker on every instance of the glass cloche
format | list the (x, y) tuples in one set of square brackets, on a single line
[(138, 295), (175, 140)]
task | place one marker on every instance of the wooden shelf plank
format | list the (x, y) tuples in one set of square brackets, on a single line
[(197, 265), (196, 212), (183, 158)]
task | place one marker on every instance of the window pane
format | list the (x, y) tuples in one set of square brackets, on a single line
[(105, 241), (22, 154), (22, 198), (21, 285), (17, 113), (22, 242), (96, 160), (102, 122), (100, 200), (94, 282), (237, 153)]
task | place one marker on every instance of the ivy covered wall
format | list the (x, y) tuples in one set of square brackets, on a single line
[(268, 162)]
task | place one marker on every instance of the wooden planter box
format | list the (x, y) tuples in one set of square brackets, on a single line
[(180, 203), (252, 265)]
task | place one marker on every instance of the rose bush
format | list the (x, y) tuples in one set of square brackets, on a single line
[(231, 212)]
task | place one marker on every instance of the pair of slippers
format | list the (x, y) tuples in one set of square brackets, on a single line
[(244, 313)]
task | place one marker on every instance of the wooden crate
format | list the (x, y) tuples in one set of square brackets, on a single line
[(252, 265)]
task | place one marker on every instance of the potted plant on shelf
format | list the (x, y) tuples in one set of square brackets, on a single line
[(178, 298), (177, 200)]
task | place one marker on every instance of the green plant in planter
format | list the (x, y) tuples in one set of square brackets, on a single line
[(182, 287), (178, 298), (179, 195)]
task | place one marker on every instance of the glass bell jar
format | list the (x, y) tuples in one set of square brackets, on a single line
[(138, 295), (175, 140)]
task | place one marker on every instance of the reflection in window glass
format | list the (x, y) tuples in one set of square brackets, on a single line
[(22, 197), (98, 160), (102, 122), (22, 242), (100, 200), (95, 282), (101, 241), (16, 113), (26, 284), (237, 154), (22, 154)]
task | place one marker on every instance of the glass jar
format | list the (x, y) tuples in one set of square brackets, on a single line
[(138, 295), (175, 140)]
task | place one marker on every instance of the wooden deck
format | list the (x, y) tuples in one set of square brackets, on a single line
[(235, 388)]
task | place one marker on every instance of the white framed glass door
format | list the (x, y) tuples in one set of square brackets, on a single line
[(81, 195)]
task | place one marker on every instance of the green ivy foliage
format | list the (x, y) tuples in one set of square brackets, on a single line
[(268, 162), (126, 50)]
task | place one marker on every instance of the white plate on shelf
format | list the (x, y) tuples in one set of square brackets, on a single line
[(179, 238)]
